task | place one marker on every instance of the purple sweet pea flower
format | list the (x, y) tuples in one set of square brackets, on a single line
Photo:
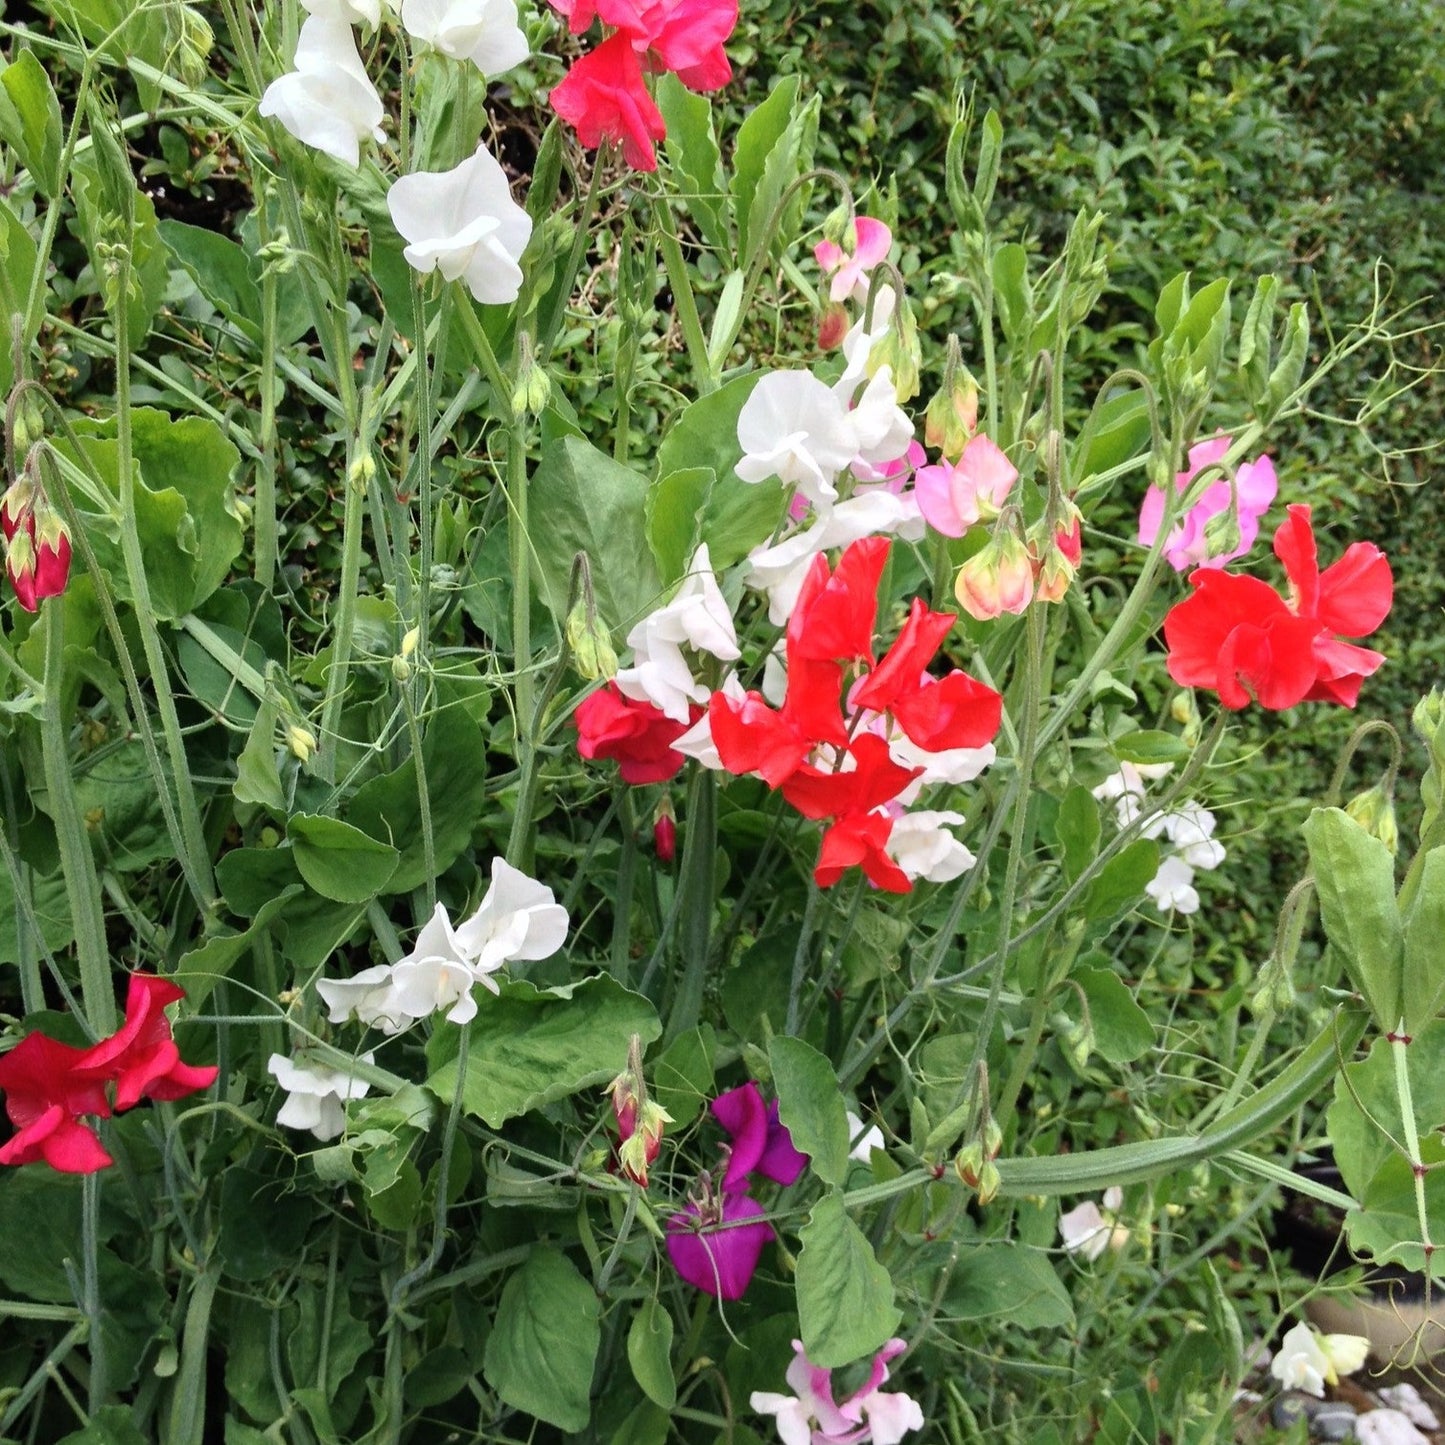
[(711, 1244), (760, 1142)]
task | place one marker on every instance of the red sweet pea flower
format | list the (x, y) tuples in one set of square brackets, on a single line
[(1237, 636), (833, 618), (44, 1096), (860, 841), (830, 793), (751, 738), (635, 734), (141, 1056), (603, 97)]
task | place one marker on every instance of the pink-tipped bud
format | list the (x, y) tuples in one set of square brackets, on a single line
[(1058, 554), (951, 420), (37, 548), (639, 1121), (832, 326), (664, 832), (997, 579)]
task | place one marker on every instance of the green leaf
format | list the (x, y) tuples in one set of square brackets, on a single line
[(674, 519), (532, 1046), (1120, 883), (772, 223), (52, 909), (649, 1352), (1116, 432), (1424, 974), (1009, 1282), (110, 1425), (1078, 831), (1294, 352), (1012, 292), (1122, 1030), (757, 136), (388, 808), (810, 1105), (1386, 1226), (1256, 337), (202, 968), (845, 1297), (30, 121), (682, 1078), (592, 504), (221, 270), (1355, 881), (17, 270), (257, 778), (692, 152), (1147, 747), (249, 878), (543, 1345), (338, 861)]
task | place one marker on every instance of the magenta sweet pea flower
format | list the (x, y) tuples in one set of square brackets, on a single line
[(760, 1142), (713, 1245), (1189, 544)]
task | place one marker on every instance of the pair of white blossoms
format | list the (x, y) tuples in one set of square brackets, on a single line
[(462, 222), (518, 920)]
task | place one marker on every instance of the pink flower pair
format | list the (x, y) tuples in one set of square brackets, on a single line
[(869, 1414)]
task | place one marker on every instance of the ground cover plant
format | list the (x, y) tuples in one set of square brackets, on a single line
[(613, 763)]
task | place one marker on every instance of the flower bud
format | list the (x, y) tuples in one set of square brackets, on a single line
[(362, 470), (590, 641), (999, 578), (1374, 810), (832, 326), (1274, 989), (1075, 1039), (639, 1121), (301, 741), (410, 640), (898, 348), (968, 1163), (664, 832), (1058, 550), (29, 423), (400, 669), (37, 548), (1221, 534), (951, 419)]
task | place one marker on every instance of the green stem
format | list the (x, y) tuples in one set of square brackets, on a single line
[(347, 594), (423, 798), (682, 296), (266, 543), (90, 1247), (1399, 1043), (82, 884), (621, 953), (801, 955), (547, 332)]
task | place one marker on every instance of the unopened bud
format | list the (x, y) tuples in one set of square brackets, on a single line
[(409, 642), (29, 424), (998, 578), (1274, 990), (968, 1163), (952, 416), (1374, 810), (591, 643), (1075, 1039), (533, 387), (362, 470), (992, 1138), (832, 326), (898, 349), (400, 669), (640, 1121), (1221, 534), (664, 832), (301, 741)]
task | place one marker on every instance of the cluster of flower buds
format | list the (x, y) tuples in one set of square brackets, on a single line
[(640, 1121), (974, 1163), (37, 543)]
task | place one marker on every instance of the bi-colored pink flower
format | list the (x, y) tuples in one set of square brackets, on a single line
[(850, 270), (37, 544), (954, 495), (1193, 542)]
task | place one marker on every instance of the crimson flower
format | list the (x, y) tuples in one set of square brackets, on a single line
[(45, 1093), (37, 544), (635, 734), (141, 1056), (1238, 637)]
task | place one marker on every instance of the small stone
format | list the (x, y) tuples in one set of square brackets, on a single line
[(1405, 1398), (1388, 1427), (1333, 1421), (1292, 1406)]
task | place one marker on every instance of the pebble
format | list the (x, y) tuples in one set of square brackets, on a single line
[(1289, 1407), (1388, 1427), (1336, 1421), (1405, 1398)]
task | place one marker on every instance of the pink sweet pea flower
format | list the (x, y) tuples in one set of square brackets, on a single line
[(760, 1142), (954, 495), (871, 241), (1189, 544), (713, 1245), (811, 1417)]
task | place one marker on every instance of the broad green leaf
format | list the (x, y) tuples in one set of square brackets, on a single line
[(1355, 881), (650, 1424), (810, 1105), (845, 1297), (17, 270), (532, 1046), (110, 1425), (389, 808), (340, 862), (249, 878), (1078, 831), (1013, 294), (30, 121), (543, 1345), (1424, 975), (581, 500), (1120, 883), (757, 136), (772, 222), (675, 506), (1011, 1283), (257, 778), (117, 798), (1117, 431), (52, 910), (1122, 1030), (1294, 352), (1256, 337), (692, 152), (221, 270), (682, 1078), (649, 1352), (1386, 1227), (261, 1228), (202, 968)]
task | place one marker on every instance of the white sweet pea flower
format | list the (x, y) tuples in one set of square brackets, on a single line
[(437, 975), (1309, 1361), (660, 674), (1088, 1230), (883, 428), (864, 1139), (696, 743), (862, 337), (328, 101), (1172, 887), (367, 997), (1191, 830), (921, 845), (794, 427), (465, 224), (485, 32), (353, 12), (519, 919), (316, 1095)]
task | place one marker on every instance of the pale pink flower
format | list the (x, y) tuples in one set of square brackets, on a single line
[(1188, 545), (850, 272), (954, 495)]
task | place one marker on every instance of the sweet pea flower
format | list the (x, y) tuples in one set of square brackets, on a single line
[(45, 1097), (604, 97), (922, 846), (796, 428), (328, 101), (1188, 545), (810, 1415), (954, 495), (518, 920), (761, 1143), (637, 735), (1308, 1360), (851, 271), (863, 1139), (315, 1095), (37, 544), (485, 32), (716, 1242), (465, 224), (353, 12), (1089, 1231), (998, 578)]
